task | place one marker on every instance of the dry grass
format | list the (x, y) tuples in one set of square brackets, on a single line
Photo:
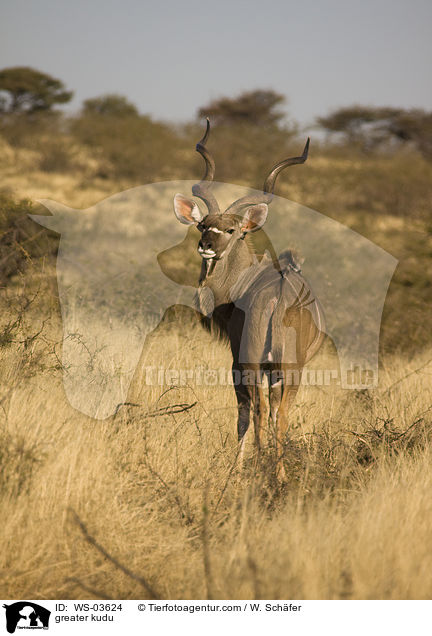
[(153, 502), (159, 489)]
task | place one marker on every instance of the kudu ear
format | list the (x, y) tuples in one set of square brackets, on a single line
[(186, 210), (254, 217)]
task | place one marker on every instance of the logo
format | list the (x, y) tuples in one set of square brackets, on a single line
[(26, 615)]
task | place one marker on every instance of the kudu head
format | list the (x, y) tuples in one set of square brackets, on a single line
[(221, 230)]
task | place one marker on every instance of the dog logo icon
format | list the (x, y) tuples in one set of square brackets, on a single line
[(26, 615)]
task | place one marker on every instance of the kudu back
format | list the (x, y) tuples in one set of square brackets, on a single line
[(260, 301)]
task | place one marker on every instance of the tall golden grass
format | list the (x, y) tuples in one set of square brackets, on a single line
[(159, 488), (154, 502)]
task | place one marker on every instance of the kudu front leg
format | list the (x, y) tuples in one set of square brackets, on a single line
[(249, 393), (260, 414), (244, 400)]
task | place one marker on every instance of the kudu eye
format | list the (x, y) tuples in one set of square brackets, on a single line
[(230, 231)]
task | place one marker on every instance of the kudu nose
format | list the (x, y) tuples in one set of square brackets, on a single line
[(205, 245)]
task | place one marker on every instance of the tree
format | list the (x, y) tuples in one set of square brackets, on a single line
[(111, 104), (373, 126), (413, 126), (259, 108), (23, 89), (357, 122)]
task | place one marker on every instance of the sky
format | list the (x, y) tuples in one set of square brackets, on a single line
[(170, 58)]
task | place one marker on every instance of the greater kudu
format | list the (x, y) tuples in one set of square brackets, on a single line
[(264, 305)]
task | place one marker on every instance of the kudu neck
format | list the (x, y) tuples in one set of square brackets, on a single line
[(225, 272)]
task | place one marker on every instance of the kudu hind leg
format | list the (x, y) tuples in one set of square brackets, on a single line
[(289, 393), (260, 414), (275, 397)]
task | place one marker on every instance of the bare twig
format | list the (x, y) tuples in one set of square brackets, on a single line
[(164, 410), (225, 486), (173, 409), (92, 541), (30, 339), (184, 514), (254, 575), (96, 592), (118, 407), (206, 549)]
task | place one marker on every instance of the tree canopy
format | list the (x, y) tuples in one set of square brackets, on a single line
[(111, 104), (258, 107), (352, 119), (24, 89), (371, 126)]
